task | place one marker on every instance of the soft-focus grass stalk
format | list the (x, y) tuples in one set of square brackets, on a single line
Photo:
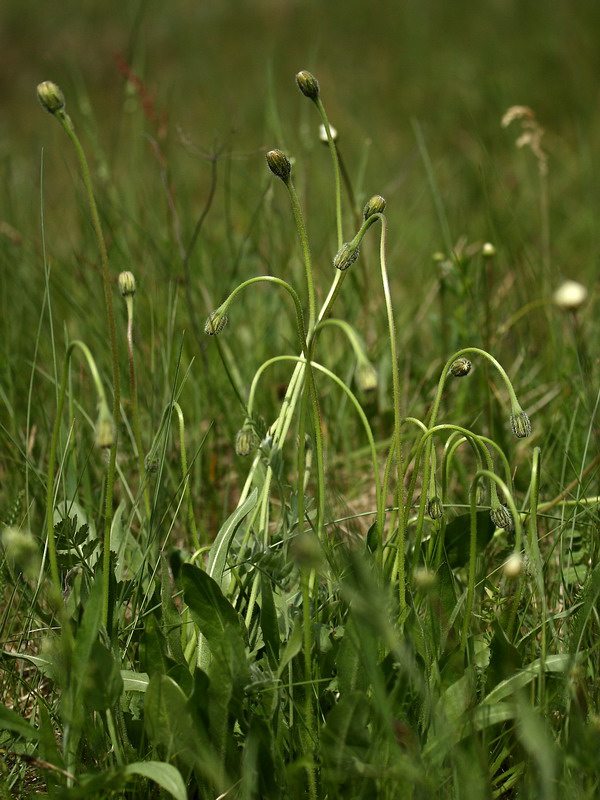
[(52, 100)]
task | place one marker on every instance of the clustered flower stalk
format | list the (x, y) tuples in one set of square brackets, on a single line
[(52, 100)]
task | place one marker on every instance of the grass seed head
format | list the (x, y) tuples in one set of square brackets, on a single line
[(51, 97), (308, 84), (127, 284), (376, 205)]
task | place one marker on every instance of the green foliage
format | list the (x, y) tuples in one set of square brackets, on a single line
[(229, 627)]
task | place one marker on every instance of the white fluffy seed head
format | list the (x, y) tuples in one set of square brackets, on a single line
[(570, 296)]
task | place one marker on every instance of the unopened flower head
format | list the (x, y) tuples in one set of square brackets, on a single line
[(127, 284), (323, 133), (245, 441), (366, 377), (105, 431), (513, 565), (520, 424), (502, 518), (460, 367), (376, 205), (346, 256), (570, 296), (308, 84), (215, 322), (435, 508), (488, 250), (51, 97), (279, 164)]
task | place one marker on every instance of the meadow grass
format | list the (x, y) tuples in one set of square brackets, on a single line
[(338, 536)]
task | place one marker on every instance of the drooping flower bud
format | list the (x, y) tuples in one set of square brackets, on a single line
[(460, 367), (105, 430), (245, 441), (513, 565), (570, 296), (215, 322), (366, 377), (346, 256), (308, 84), (520, 424), (376, 205), (51, 97), (435, 508), (279, 164), (502, 518), (127, 284)]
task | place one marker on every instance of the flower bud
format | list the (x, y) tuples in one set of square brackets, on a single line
[(488, 250), (308, 84), (215, 322), (366, 377), (51, 97), (376, 205), (323, 134), (279, 164), (346, 256), (513, 565), (570, 296), (105, 433), (245, 441), (520, 424), (424, 578), (502, 518), (460, 367), (126, 284), (435, 508)]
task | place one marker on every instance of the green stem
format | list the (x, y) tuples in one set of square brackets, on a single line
[(137, 434), (67, 124), (301, 227), (336, 171)]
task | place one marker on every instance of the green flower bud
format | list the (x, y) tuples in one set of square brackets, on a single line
[(308, 84), (215, 322), (435, 508), (520, 424), (346, 256), (366, 377), (245, 441), (376, 205), (279, 164), (51, 97), (460, 367), (105, 433), (502, 518), (126, 284)]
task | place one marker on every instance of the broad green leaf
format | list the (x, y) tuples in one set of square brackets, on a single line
[(11, 721), (168, 722), (165, 775), (292, 648), (218, 552), (214, 615), (44, 663), (134, 681), (129, 557), (555, 663), (458, 534), (268, 621)]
